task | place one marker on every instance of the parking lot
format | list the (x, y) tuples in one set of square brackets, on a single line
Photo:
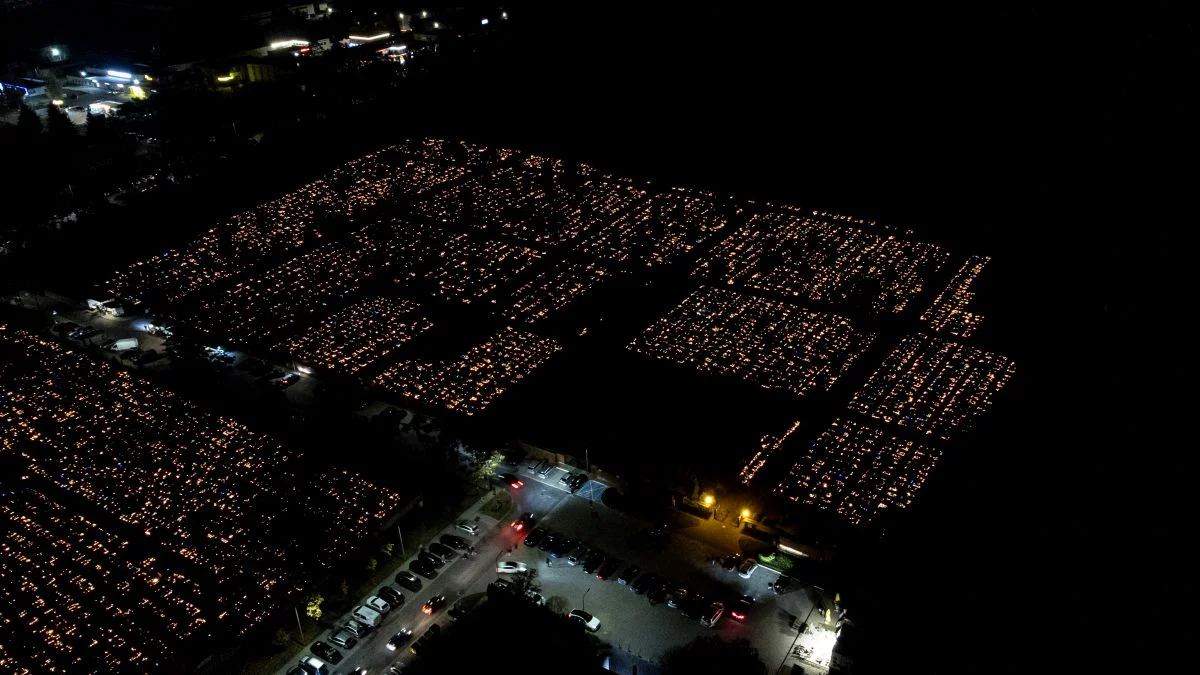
[(628, 621)]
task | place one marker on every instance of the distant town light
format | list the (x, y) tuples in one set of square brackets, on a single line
[(503, 15), (400, 15), (120, 74), (54, 51), (424, 14), (436, 25)]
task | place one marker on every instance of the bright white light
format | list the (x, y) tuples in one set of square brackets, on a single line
[(57, 101), (396, 48), (436, 25), (83, 73), (483, 22), (286, 44), (120, 86), (120, 74), (137, 81), (54, 51), (400, 15), (424, 14), (369, 38), (503, 15), (304, 369)]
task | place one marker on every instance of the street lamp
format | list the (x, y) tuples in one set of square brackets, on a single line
[(708, 500), (583, 605), (745, 514)]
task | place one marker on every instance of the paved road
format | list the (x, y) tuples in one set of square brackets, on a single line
[(457, 579)]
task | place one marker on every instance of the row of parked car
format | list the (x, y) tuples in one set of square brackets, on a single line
[(368, 616), (656, 588)]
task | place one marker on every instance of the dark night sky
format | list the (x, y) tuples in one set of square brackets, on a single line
[(1055, 141)]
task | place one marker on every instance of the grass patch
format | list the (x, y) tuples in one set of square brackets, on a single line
[(776, 561), (498, 507)]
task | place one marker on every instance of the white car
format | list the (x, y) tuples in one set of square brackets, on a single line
[(507, 567), (747, 568), (378, 604), (468, 527), (590, 622)]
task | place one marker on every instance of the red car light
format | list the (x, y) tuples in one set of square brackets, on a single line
[(519, 526), (739, 616), (518, 484), (427, 609)]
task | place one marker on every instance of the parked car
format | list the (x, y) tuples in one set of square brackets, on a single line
[(442, 550), (548, 540), (731, 561), (578, 481), (566, 479), (677, 597), (357, 628), (394, 597), (535, 536), (579, 555), (433, 604), (629, 575), (608, 569), (378, 604), (314, 666), (561, 546), (644, 582), (343, 638), (288, 380), (587, 620), (657, 593), (423, 568), (781, 584), (326, 652), (430, 634), (454, 542), (468, 527), (594, 561), (148, 356), (747, 568), (695, 607), (409, 580), (400, 639), (713, 615), (434, 560)]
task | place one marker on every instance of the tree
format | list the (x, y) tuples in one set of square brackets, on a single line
[(372, 564), (486, 469), (282, 638), (526, 583), (58, 125), (387, 548), (313, 609), (557, 604), (28, 123), (711, 654), (345, 587)]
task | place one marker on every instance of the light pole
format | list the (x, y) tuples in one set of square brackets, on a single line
[(402, 554), (583, 605), (298, 625)]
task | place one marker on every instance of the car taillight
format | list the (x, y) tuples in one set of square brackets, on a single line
[(739, 616), (427, 610)]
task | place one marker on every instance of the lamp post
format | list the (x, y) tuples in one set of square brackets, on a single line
[(402, 554), (298, 624), (583, 605)]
